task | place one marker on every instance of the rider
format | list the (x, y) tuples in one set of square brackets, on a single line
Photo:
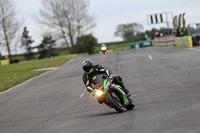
[(91, 70), (103, 45)]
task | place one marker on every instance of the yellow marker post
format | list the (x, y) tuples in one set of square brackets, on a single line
[(190, 42)]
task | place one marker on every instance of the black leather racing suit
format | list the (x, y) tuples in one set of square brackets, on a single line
[(99, 69)]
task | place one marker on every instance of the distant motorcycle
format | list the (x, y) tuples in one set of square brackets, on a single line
[(103, 48), (111, 94)]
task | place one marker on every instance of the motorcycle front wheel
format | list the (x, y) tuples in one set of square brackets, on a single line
[(131, 105), (115, 103)]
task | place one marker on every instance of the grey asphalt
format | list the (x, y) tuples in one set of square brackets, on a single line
[(164, 83)]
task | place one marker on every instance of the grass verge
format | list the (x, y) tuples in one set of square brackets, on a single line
[(117, 46), (14, 74)]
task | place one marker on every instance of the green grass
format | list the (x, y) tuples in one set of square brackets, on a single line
[(123, 45), (11, 75), (64, 52), (117, 46)]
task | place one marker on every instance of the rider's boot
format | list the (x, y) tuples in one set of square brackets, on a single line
[(119, 81), (128, 94)]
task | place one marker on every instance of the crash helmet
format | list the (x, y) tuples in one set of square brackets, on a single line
[(103, 45), (88, 66)]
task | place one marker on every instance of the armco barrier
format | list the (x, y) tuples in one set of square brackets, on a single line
[(109, 51), (183, 41), (146, 44), (136, 46), (120, 49), (141, 45)]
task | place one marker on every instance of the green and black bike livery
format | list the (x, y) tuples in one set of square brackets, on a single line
[(111, 94)]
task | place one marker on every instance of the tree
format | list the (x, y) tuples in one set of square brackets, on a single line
[(86, 43), (8, 24), (17, 42), (140, 37), (151, 33), (26, 42), (45, 49), (69, 17), (128, 31)]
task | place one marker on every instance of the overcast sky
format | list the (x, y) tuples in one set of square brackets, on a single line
[(110, 13)]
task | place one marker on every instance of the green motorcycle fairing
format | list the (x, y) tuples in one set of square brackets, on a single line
[(119, 88), (124, 94), (116, 87)]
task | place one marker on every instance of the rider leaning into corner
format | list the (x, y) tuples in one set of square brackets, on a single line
[(91, 70)]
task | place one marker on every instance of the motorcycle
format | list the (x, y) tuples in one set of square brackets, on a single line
[(111, 94), (103, 49)]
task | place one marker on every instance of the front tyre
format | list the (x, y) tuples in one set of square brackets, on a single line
[(115, 104), (131, 105)]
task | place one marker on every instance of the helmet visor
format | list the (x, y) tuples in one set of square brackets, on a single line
[(86, 68)]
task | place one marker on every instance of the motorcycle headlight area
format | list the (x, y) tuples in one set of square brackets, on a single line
[(99, 92), (103, 48)]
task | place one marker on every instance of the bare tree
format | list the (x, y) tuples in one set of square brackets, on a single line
[(128, 31), (69, 17), (17, 42), (8, 24)]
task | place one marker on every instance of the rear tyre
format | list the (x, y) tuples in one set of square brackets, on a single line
[(115, 104), (131, 105)]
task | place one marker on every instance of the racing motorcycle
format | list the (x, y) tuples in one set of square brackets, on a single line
[(103, 48), (111, 94)]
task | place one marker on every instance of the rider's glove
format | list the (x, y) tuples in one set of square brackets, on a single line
[(89, 89), (111, 76)]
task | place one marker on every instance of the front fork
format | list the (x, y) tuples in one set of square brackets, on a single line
[(102, 99)]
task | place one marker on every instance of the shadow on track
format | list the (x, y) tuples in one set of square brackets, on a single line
[(103, 114), (109, 113)]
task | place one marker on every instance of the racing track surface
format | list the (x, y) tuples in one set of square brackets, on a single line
[(164, 82)]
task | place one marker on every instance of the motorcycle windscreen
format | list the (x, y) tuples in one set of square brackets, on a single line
[(99, 79)]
